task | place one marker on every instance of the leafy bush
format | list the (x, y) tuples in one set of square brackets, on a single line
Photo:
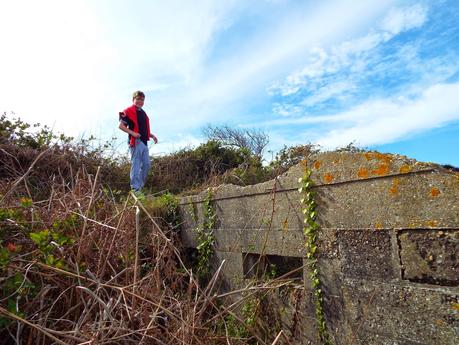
[(21, 144), (189, 168), (19, 132), (290, 156)]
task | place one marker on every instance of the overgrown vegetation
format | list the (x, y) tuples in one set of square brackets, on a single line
[(205, 236), (60, 157), (230, 156), (252, 140), (69, 269), (191, 169)]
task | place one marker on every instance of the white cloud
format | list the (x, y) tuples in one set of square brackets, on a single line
[(322, 63), (266, 54), (51, 63), (337, 88), (405, 18), (384, 121), (378, 121), (286, 109), (350, 54), (295, 81)]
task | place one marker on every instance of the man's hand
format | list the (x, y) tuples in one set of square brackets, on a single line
[(123, 127), (155, 139)]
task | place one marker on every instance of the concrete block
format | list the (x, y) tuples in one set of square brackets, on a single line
[(429, 200), (366, 254), (231, 274), (417, 314), (430, 256)]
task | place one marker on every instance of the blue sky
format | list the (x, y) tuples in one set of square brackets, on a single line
[(380, 74)]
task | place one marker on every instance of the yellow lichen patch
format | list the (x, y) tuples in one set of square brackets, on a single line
[(378, 226), (381, 170), (368, 156), (317, 164), (363, 173), (285, 225), (383, 157), (431, 223), (434, 192), (328, 178), (440, 323), (416, 224), (304, 163), (394, 189), (405, 169), (456, 306)]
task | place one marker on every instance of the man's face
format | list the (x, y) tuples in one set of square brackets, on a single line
[(138, 101)]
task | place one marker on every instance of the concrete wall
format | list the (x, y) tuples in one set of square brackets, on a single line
[(388, 246)]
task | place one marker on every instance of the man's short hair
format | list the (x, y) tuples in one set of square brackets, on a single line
[(138, 94)]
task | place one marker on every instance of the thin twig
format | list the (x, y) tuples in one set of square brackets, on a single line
[(15, 184), (37, 327)]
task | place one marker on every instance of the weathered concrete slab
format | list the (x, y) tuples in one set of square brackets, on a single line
[(330, 168), (430, 256), (412, 201), (337, 167), (379, 339), (388, 246), (291, 309), (429, 200), (421, 315), (272, 242)]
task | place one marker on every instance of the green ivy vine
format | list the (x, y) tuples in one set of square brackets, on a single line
[(310, 229), (205, 236), (193, 212)]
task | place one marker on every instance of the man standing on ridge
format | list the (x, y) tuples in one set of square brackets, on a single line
[(135, 122)]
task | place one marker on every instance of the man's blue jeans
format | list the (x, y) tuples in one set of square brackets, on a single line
[(140, 165)]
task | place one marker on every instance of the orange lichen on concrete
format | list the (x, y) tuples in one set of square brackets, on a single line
[(381, 170), (431, 223), (383, 157), (317, 164), (405, 169), (394, 189), (304, 163), (440, 323), (434, 192), (368, 156), (328, 178), (378, 156), (421, 223), (363, 173), (378, 226)]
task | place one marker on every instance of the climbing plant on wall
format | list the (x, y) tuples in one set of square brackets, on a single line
[(311, 227), (205, 236)]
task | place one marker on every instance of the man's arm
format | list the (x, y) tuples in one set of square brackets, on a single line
[(155, 139), (125, 129)]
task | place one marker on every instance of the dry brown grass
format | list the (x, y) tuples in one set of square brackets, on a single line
[(100, 288)]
